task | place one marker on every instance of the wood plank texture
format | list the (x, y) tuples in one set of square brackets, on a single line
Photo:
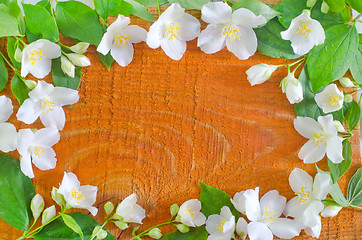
[(158, 126)]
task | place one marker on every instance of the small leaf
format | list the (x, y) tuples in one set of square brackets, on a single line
[(9, 24), (124, 8), (4, 75), (356, 66), (198, 233), (16, 193), (355, 4), (213, 199), (191, 4), (60, 79), (354, 191), (12, 44), (353, 115), (72, 224), (104, 7), (141, 11), (19, 89), (257, 7), (338, 169)]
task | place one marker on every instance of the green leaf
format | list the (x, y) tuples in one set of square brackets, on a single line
[(58, 230), (257, 7), (335, 5), (31, 36), (353, 115), (191, 4), (79, 21), (9, 24), (16, 192), (356, 66), (124, 8), (107, 60), (354, 191), (104, 7), (330, 61), (355, 4), (19, 89), (72, 224), (151, 3), (12, 44), (338, 169), (213, 199), (198, 233), (60, 79), (140, 11), (270, 42), (4, 75)]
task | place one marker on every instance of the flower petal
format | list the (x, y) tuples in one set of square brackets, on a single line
[(242, 228), (174, 48), (189, 27), (42, 90), (8, 137), (272, 200), (136, 34), (307, 126), (29, 111), (259, 231), (46, 137), (216, 13), (299, 179), (154, 35), (41, 68), (54, 119), (25, 139), (309, 153), (285, 228), (49, 49), (123, 55), (6, 108), (311, 214), (330, 99), (246, 18), (118, 25), (239, 201), (45, 160), (25, 166), (252, 206), (293, 208), (244, 47), (64, 96), (210, 40), (69, 182), (106, 43), (327, 124), (175, 11), (321, 186), (334, 149)]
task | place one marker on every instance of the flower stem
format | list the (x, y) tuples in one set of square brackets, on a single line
[(298, 65), (36, 230), (95, 234), (158, 7), (145, 232)]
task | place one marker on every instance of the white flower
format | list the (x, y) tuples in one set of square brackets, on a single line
[(330, 99), (79, 60), (37, 58), (119, 39), (346, 82), (239, 201), (258, 74), (322, 137), (242, 228), (331, 210), (221, 227), (190, 213), (265, 216), (80, 47), (304, 32), (37, 206), (67, 66), (48, 214), (78, 196), (37, 147), (292, 88), (46, 101), (8, 133), (307, 205), (130, 211), (233, 29), (171, 31)]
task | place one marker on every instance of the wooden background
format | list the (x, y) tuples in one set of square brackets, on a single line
[(158, 126)]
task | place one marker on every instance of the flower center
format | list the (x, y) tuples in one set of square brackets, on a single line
[(38, 151), (77, 195), (318, 139), (303, 30), (173, 31), (269, 215), (221, 225), (231, 32), (303, 196), (334, 99), (121, 40), (34, 55), (48, 106), (192, 214)]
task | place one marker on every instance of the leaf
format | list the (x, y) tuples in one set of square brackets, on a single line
[(79, 21), (31, 36), (355, 4), (19, 89), (335, 5), (141, 11), (353, 115), (104, 7), (107, 60), (354, 191), (191, 4), (60, 79), (12, 44), (124, 8), (9, 24), (338, 169), (39, 21), (16, 192), (356, 66), (58, 230), (257, 7), (4, 75), (151, 3), (213, 199), (72, 224), (270, 42), (198, 233), (330, 61)]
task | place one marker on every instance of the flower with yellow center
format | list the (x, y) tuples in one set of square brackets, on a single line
[(304, 33), (190, 213), (78, 196), (330, 99), (130, 211), (231, 29), (221, 226), (323, 139)]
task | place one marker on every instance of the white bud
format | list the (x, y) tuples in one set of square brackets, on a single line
[(311, 3), (58, 198), (18, 55), (99, 232), (183, 228), (348, 98), (174, 209), (338, 125), (346, 82), (292, 88), (80, 47), (67, 66), (37, 206), (30, 84), (258, 74), (108, 207), (121, 225), (155, 233), (324, 7), (331, 211), (78, 59), (48, 214)]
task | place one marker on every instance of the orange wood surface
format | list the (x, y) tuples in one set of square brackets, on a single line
[(158, 126)]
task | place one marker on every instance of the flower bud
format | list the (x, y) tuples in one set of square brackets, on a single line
[(183, 228), (292, 88), (80, 47), (99, 232), (18, 55), (37, 206), (58, 198), (155, 233), (108, 207), (48, 214), (121, 225), (324, 7), (178, 218), (346, 82), (30, 84), (331, 210), (348, 98), (67, 66), (311, 3), (174, 209), (338, 125), (78, 59), (258, 74)]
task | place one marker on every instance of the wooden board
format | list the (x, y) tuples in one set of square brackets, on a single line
[(158, 126)]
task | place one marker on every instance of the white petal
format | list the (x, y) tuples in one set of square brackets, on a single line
[(118, 25), (29, 111), (25, 166), (54, 119), (321, 186), (210, 39), (46, 137), (239, 201), (242, 228), (246, 46), (294, 208), (41, 68), (175, 11), (246, 18), (174, 48), (301, 46), (154, 35), (64, 96), (90, 194), (259, 231), (130, 211), (311, 214), (252, 206), (25, 139), (216, 13), (272, 200), (189, 27), (334, 149), (307, 126), (69, 182), (314, 231), (49, 49), (42, 90), (8, 137), (93, 210), (323, 99), (136, 34), (46, 160), (225, 212), (123, 55), (309, 153), (217, 237), (285, 228), (106, 43), (327, 124), (299, 179), (6, 108), (199, 219), (212, 223)]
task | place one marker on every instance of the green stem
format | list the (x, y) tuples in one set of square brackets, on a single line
[(64, 46), (95, 234), (36, 230), (298, 65), (145, 232), (7, 61), (158, 7), (21, 40), (356, 207)]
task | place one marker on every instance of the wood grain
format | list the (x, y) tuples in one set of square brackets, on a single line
[(158, 126)]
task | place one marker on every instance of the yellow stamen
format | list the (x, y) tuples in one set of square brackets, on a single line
[(38, 151), (334, 99), (231, 32), (221, 225), (192, 214), (35, 55), (121, 40), (77, 195), (318, 139), (173, 31), (303, 196), (269, 215), (303, 30), (48, 106)]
